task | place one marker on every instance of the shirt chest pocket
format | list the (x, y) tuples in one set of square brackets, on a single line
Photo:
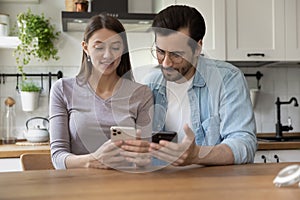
[(211, 131)]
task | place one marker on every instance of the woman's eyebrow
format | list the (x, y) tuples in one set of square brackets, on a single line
[(103, 42)]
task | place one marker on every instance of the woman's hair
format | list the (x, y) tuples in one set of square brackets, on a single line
[(176, 17), (96, 23)]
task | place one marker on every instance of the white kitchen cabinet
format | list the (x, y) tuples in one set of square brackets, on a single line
[(213, 12), (10, 164), (292, 23), (274, 156), (255, 30), (161, 4)]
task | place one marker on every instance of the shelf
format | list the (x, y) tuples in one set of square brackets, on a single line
[(20, 1), (9, 42)]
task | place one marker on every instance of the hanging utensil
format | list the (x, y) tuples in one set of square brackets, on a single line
[(17, 86), (42, 88)]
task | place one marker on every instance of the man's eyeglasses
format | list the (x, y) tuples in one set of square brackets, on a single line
[(160, 55)]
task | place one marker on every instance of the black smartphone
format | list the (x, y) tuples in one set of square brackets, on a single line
[(164, 135)]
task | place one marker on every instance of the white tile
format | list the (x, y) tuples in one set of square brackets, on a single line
[(268, 127), (280, 87), (293, 74), (293, 86)]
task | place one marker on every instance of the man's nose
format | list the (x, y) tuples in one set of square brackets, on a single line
[(167, 62)]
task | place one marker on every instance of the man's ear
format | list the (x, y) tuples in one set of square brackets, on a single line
[(199, 48)]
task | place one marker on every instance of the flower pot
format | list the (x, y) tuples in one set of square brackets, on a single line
[(81, 6), (30, 100)]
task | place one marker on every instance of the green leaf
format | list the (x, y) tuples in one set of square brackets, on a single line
[(32, 28), (29, 86)]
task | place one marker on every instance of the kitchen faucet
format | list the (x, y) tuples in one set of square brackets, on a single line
[(279, 127)]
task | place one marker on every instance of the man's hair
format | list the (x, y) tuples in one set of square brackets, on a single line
[(176, 17)]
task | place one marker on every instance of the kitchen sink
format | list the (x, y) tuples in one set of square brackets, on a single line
[(280, 139)]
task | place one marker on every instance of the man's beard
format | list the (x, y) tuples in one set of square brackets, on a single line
[(173, 75)]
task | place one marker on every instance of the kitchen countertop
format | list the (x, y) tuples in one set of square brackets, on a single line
[(251, 181), (14, 151), (287, 145)]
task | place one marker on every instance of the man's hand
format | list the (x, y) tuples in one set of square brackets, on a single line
[(185, 153)]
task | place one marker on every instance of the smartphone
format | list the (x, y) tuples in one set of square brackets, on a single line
[(122, 133), (164, 135)]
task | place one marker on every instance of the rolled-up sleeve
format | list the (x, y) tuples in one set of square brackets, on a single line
[(237, 127)]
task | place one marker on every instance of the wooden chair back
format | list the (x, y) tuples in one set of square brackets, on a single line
[(36, 161)]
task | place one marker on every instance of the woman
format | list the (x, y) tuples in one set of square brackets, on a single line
[(103, 94)]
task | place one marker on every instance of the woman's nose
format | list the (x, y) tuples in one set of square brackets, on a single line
[(107, 53)]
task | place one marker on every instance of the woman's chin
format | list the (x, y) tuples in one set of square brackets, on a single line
[(107, 71)]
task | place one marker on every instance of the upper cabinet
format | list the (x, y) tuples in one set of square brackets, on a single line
[(292, 33), (266, 30), (213, 12), (255, 30), (249, 30)]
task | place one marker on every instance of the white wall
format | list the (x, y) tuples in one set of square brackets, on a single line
[(70, 53), (282, 82)]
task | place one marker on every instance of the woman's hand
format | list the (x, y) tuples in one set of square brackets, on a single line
[(137, 151), (107, 156)]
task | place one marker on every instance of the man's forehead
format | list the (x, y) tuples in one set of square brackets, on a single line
[(176, 41)]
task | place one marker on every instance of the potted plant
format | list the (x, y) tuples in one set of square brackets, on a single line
[(37, 41), (30, 95)]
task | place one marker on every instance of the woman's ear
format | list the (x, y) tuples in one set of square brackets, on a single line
[(84, 47)]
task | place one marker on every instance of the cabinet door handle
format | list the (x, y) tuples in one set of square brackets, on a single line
[(277, 158), (255, 54), (264, 158)]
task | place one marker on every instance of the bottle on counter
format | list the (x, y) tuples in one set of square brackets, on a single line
[(9, 135)]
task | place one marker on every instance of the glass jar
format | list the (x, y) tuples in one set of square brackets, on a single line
[(9, 133)]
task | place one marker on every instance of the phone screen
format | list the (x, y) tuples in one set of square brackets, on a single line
[(164, 135)]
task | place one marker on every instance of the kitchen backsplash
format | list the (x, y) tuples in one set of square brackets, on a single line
[(8, 89), (283, 82), (280, 82), (276, 82)]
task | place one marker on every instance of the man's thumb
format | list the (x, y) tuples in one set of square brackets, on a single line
[(189, 134)]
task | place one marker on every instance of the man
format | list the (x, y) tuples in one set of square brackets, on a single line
[(206, 101)]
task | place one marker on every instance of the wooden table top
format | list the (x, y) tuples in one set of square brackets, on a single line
[(14, 151), (252, 181)]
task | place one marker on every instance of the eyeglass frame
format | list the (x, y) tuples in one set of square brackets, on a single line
[(172, 55)]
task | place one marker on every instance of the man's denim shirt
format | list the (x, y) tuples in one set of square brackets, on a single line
[(221, 109)]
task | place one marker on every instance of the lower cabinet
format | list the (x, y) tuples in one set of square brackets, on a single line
[(10, 164), (276, 156)]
